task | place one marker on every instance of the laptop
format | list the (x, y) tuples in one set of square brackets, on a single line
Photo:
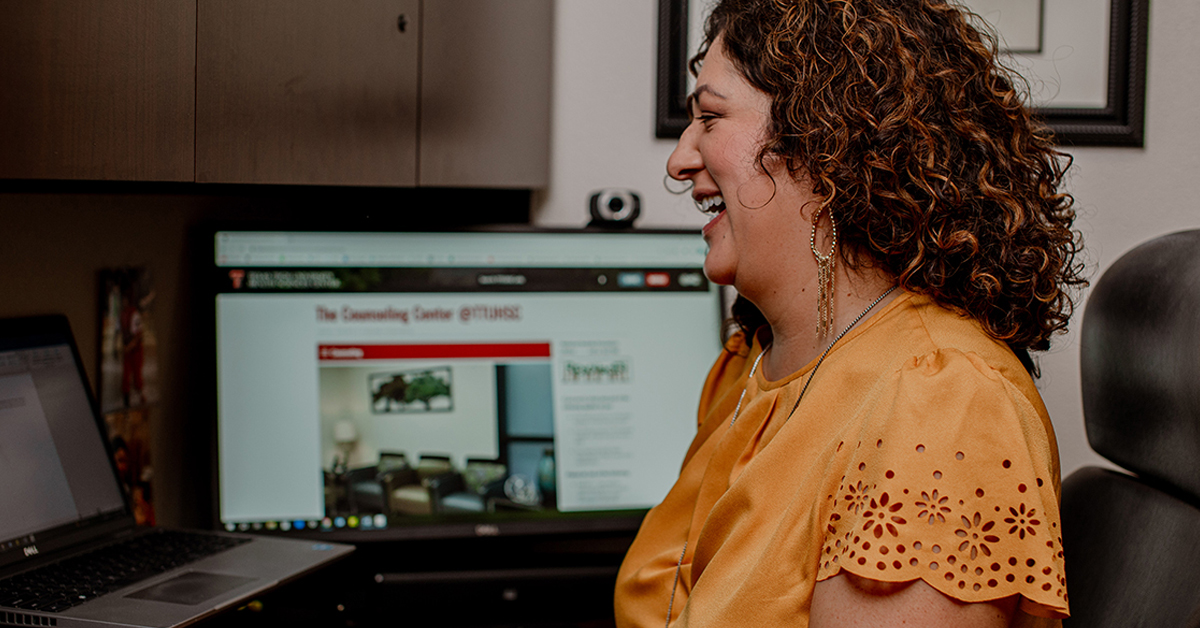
[(69, 548)]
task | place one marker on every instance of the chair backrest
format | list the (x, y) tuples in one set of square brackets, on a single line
[(392, 461), (1140, 361), (434, 464), (480, 473), (1132, 541)]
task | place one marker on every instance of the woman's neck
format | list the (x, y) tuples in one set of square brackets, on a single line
[(793, 319)]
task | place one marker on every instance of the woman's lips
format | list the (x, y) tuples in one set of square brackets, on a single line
[(711, 223)]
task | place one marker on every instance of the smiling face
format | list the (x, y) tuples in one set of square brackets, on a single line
[(757, 227)]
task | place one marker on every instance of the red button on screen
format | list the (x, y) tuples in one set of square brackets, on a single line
[(658, 280)]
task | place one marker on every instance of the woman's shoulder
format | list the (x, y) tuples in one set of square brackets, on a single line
[(950, 474), (737, 353), (931, 339), (950, 372), (738, 344), (728, 372)]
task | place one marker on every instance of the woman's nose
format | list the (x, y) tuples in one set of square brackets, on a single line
[(685, 160)]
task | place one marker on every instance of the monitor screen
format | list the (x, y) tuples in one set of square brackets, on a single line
[(59, 484), (416, 385)]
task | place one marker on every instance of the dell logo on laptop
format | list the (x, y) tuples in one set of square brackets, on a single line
[(31, 550)]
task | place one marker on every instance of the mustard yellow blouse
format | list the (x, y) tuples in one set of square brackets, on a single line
[(921, 450)]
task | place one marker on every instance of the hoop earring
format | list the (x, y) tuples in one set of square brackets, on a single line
[(825, 276), (667, 179)]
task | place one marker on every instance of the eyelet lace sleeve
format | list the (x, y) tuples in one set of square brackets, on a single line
[(950, 480)]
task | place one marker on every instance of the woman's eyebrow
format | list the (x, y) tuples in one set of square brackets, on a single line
[(693, 97), (704, 89)]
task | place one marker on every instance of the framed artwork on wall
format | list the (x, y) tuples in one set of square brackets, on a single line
[(1084, 61), (424, 390)]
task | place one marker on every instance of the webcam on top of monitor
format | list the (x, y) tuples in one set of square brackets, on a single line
[(614, 208)]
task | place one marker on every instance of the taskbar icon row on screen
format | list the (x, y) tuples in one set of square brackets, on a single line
[(354, 522)]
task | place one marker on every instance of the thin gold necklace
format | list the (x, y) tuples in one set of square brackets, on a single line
[(737, 410)]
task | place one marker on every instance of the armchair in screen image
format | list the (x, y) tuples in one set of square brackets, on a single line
[(420, 490), (365, 487), (483, 484)]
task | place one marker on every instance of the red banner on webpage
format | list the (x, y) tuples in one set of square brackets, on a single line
[(343, 352)]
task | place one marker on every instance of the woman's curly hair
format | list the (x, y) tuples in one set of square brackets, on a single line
[(919, 144)]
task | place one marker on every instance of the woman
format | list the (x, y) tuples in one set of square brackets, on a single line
[(871, 449)]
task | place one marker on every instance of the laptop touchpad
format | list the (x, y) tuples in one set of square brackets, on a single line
[(190, 588)]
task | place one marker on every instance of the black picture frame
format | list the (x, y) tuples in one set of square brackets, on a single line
[(1120, 122)]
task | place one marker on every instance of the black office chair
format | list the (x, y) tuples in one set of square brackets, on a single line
[(1132, 540)]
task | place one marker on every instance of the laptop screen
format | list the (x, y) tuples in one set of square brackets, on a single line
[(52, 457), (392, 384)]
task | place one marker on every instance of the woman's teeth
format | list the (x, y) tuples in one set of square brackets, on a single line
[(711, 204)]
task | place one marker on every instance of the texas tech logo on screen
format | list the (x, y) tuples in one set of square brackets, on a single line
[(236, 277)]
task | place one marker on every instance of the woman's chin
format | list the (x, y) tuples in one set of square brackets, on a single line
[(720, 262), (718, 273)]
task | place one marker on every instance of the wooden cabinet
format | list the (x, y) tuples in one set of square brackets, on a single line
[(312, 91), (439, 93), (97, 90), (485, 93)]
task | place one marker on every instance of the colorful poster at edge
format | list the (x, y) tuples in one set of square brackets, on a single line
[(128, 390)]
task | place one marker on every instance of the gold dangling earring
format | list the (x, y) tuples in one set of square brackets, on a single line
[(825, 276)]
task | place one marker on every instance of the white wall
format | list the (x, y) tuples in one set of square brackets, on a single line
[(603, 136)]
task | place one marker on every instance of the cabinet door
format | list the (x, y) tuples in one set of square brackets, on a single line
[(307, 91), (97, 90), (485, 93)]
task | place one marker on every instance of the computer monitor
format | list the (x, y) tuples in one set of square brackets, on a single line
[(376, 386)]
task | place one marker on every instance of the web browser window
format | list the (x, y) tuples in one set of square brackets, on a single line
[(370, 380)]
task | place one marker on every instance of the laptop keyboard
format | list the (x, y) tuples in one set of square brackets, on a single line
[(73, 581)]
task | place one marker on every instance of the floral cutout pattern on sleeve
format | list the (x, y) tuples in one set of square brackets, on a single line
[(977, 519)]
